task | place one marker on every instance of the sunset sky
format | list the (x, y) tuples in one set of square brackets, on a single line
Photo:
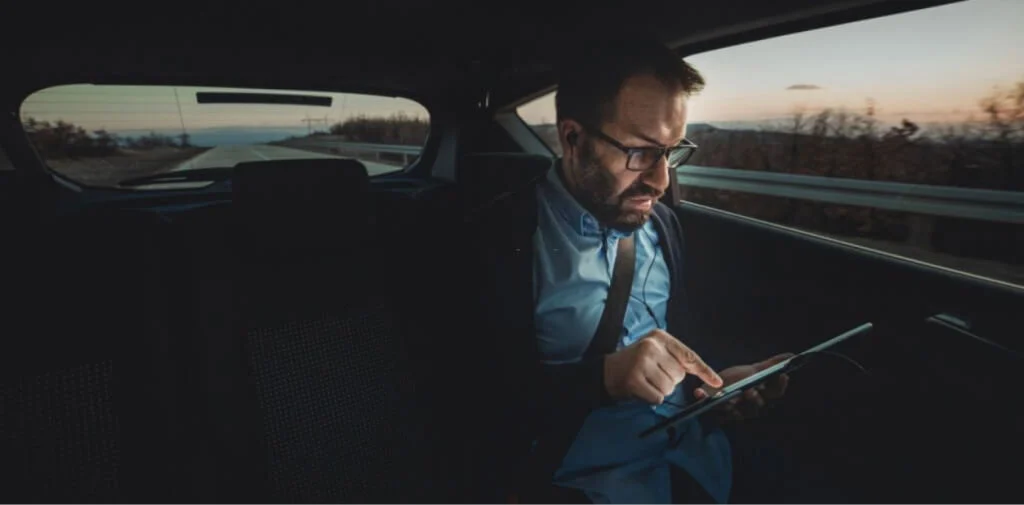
[(928, 65), (932, 65)]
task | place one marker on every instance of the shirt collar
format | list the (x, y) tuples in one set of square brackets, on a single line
[(568, 208)]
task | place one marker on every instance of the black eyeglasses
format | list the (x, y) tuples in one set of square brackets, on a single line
[(642, 159)]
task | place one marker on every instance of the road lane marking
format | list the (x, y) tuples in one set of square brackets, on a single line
[(232, 155), (190, 163), (254, 150)]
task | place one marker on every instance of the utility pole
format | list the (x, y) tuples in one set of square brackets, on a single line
[(181, 118), (309, 123)]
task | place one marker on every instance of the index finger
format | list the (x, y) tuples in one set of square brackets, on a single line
[(692, 363)]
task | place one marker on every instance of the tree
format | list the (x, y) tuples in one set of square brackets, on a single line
[(398, 128), (106, 143), (1004, 128)]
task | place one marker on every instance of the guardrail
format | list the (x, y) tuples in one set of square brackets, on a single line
[(405, 151), (366, 147), (989, 205)]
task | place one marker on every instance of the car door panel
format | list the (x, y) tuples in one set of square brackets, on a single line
[(938, 416)]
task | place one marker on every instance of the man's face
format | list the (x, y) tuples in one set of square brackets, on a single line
[(646, 113)]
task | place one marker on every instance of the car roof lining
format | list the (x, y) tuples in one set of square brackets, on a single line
[(430, 56)]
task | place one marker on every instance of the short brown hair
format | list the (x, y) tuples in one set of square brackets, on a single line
[(591, 76)]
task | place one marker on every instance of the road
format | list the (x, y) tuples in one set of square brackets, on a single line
[(229, 156)]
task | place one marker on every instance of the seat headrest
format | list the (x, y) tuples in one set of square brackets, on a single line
[(485, 176), (299, 205)]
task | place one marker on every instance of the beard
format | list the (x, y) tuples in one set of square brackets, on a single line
[(596, 192)]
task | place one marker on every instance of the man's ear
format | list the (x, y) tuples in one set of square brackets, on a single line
[(569, 135)]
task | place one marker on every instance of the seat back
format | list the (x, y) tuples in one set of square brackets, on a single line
[(482, 177), (87, 406), (326, 345)]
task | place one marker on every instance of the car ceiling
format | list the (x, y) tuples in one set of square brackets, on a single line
[(427, 51)]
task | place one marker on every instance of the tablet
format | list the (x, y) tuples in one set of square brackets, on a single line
[(737, 388)]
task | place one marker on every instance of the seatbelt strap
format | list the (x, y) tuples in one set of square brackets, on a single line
[(609, 330), (552, 450)]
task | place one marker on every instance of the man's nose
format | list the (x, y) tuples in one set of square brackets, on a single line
[(658, 176)]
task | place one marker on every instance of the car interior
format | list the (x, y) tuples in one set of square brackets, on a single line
[(295, 330)]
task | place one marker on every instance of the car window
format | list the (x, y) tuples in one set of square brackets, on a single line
[(932, 123), (103, 135), (903, 134), (539, 114)]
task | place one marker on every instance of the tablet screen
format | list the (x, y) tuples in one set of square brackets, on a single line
[(737, 388)]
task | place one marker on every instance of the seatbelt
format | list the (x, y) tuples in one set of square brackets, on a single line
[(550, 452), (609, 330)]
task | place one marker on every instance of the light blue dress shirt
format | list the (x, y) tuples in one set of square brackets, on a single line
[(573, 260)]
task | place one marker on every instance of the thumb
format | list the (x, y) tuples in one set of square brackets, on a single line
[(772, 361)]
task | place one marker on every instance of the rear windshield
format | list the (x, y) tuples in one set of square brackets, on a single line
[(109, 136)]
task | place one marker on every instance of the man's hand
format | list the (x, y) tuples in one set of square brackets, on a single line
[(748, 404), (652, 367)]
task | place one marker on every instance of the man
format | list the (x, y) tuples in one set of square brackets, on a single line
[(552, 252)]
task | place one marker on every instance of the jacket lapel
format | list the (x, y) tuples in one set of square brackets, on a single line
[(670, 241)]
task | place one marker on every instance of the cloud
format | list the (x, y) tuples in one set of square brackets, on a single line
[(804, 86)]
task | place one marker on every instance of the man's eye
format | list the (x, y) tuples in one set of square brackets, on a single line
[(651, 155), (642, 159)]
